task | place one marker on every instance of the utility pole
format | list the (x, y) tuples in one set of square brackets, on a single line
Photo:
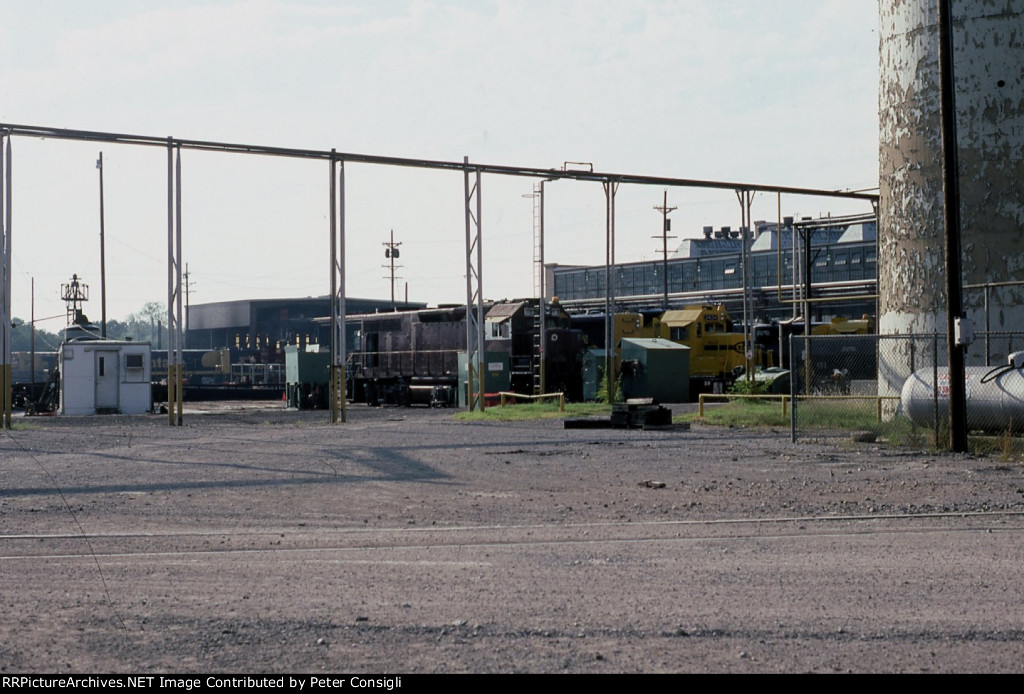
[(391, 252), (955, 347), (666, 226), (32, 344), (103, 257)]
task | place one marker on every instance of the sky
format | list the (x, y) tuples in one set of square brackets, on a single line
[(782, 93)]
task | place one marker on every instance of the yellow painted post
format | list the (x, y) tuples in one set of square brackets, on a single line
[(333, 394), (341, 394), (171, 401), (180, 378), (481, 381), (339, 411)]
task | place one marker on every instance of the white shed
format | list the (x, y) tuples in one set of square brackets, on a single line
[(105, 377)]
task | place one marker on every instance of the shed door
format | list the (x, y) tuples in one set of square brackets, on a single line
[(107, 380)]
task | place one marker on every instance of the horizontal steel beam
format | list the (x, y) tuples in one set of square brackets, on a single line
[(827, 292), (497, 169)]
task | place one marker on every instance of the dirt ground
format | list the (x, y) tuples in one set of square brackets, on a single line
[(260, 540)]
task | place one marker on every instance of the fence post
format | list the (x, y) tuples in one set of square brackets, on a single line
[(792, 386), (935, 386)]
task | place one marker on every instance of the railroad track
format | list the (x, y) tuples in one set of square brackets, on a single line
[(19, 547)]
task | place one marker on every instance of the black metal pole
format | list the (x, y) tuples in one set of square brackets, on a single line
[(103, 255), (32, 343), (951, 220), (664, 247), (807, 234)]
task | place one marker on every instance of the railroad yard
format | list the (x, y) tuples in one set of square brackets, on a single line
[(255, 539)]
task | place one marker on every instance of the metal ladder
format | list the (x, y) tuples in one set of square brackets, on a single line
[(536, 354)]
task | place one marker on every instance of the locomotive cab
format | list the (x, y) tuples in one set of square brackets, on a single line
[(716, 353)]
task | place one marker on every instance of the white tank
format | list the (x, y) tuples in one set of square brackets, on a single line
[(995, 398)]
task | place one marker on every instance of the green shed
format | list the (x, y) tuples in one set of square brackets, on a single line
[(655, 368)]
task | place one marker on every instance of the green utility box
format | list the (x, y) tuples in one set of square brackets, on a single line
[(497, 374), (593, 367), (306, 367), (655, 368), (307, 375)]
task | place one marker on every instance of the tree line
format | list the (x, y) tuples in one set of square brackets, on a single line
[(148, 324)]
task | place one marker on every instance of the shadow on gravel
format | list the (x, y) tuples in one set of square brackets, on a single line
[(384, 465)]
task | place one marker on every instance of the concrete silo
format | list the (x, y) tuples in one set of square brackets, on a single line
[(988, 54)]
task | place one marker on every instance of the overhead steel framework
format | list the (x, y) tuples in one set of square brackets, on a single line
[(337, 161), (6, 317), (474, 292), (611, 187), (338, 348), (175, 362)]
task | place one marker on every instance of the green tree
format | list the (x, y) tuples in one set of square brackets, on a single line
[(21, 338), (148, 324)]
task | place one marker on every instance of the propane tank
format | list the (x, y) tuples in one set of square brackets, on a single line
[(995, 396)]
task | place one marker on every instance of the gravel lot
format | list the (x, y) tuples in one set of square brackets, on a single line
[(259, 540)]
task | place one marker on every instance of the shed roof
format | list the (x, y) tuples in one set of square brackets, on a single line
[(682, 316), (504, 311), (652, 343)]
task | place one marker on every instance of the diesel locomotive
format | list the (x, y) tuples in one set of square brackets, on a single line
[(413, 357)]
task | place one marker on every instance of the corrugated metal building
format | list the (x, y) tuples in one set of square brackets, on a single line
[(270, 323)]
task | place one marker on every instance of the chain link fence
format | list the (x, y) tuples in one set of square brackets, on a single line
[(896, 388)]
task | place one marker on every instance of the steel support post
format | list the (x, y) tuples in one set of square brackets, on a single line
[(538, 281), (806, 236), (474, 293), (611, 187), (6, 315), (746, 198), (538, 237), (338, 346), (175, 399), (543, 337)]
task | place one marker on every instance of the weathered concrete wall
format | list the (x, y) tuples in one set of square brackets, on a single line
[(989, 73)]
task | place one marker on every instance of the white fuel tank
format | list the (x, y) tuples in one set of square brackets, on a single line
[(995, 398)]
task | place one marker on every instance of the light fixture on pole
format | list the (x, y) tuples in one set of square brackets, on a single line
[(666, 226), (391, 252)]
